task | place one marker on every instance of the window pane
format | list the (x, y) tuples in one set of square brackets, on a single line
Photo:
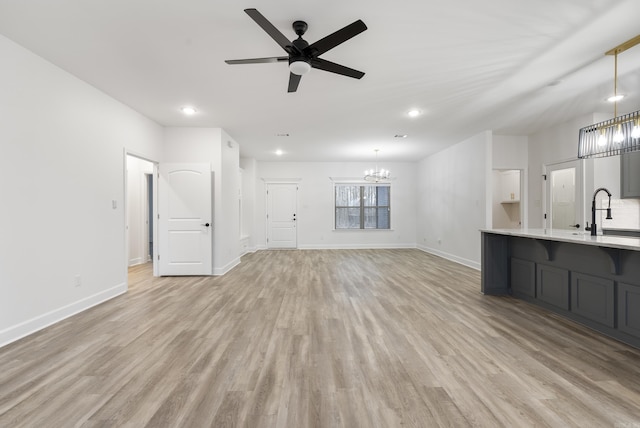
[(362, 207), (370, 221), (369, 196), (347, 196), (383, 196), (383, 218), (347, 218)]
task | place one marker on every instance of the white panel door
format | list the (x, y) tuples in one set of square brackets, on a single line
[(282, 205), (184, 224), (564, 200)]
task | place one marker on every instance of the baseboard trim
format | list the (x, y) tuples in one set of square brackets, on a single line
[(226, 268), (355, 246), (40, 322), (460, 260), (136, 261), (248, 250)]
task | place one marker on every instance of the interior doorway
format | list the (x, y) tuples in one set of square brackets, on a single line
[(140, 200), (508, 209)]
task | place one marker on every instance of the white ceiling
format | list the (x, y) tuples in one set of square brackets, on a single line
[(469, 65)]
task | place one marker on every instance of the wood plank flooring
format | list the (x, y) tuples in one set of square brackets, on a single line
[(331, 338)]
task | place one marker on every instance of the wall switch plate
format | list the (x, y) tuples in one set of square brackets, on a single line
[(114, 204), (77, 281)]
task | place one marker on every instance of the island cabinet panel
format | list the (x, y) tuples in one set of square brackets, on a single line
[(593, 280), (552, 286), (495, 267), (629, 309), (593, 298), (523, 277)]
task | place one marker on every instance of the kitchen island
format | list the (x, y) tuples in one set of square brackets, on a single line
[(594, 280)]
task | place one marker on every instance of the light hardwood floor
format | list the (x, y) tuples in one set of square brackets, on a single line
[(332, 338)]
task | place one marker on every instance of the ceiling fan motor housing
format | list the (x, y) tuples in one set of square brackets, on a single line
[(300, 27)]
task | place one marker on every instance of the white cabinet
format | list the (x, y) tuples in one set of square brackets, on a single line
[(510, 186)]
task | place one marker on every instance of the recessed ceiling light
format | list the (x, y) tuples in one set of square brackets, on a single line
[(188, 110), (279, 152), (615, 98), (400, 136), (414, 113)]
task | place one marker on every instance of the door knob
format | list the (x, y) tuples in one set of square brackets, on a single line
[(577, 226), (205, 225)]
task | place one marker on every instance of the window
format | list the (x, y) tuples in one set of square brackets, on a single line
[(362, 206)]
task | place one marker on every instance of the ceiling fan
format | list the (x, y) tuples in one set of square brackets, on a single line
[(303, 56)]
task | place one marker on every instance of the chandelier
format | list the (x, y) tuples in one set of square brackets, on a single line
[(614, 136), (375, 175)]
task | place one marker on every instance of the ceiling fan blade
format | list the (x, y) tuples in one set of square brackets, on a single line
[(271, 30), (294, 81), (257, 60), (332, 67), (333, 40)]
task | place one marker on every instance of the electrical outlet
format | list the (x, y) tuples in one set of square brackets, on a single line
[(77, 281)]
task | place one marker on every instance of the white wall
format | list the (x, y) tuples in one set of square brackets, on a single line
[(62, 145), (560, 143), (248, 191), (552, 145), (137, 210), (606, 173), (228, 248), (454, 198), (316, 206), (211, 145), (509, 152)]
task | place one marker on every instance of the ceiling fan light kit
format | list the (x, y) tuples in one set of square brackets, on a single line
[(299, 67), (302, 56), (614, 136)]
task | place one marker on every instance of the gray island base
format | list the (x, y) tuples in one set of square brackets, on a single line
[(594, 280)]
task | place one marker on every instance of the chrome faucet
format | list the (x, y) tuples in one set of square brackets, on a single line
[(594, 228)]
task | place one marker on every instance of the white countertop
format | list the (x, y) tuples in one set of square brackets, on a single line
[(575, 237)]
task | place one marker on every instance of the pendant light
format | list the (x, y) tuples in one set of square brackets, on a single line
[(614, 136)]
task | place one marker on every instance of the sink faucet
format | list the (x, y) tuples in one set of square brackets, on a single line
[(593, 227)]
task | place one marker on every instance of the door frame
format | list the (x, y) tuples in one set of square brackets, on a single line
[(267, 182), (154, 192), (148, 214), (580, 176)]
